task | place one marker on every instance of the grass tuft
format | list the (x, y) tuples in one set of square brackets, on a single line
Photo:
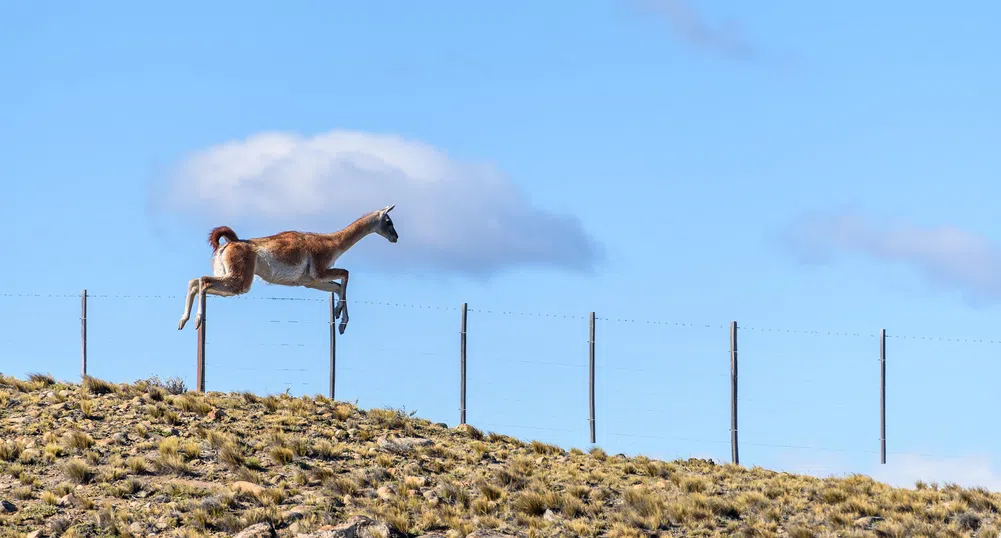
[(94, 385), (78, 471)]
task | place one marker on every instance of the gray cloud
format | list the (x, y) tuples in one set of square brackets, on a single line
[(690, 25), (453, 216), (945, 256)]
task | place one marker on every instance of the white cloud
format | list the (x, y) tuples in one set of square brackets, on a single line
[(966, 471), (901, 470), (945, 256), (464, 217)]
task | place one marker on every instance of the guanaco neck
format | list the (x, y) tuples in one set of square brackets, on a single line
[(354, 232)]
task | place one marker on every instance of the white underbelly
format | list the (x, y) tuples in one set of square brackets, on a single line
[(218, 267), (271, 270)]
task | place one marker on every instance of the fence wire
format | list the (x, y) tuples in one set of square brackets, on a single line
[(662, 387)]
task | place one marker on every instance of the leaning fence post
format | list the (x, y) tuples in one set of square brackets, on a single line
[(462, 367), (201, 342), (333, 344), (733, 393), (882, 396), (591, 377), (83, 334)]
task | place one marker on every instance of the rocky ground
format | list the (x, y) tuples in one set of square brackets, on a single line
[(147, 459)]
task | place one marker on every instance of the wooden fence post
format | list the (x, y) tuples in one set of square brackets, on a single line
[(733, 393), (83, 334), (591, 376), (200, 381), (462, 367), (882, 396)]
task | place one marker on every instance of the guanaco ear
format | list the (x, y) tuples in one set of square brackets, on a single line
[(387, 209)]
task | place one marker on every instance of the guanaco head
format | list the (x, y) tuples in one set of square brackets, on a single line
[(385, 227)]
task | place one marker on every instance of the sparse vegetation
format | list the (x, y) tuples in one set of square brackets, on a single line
[(160, 460)]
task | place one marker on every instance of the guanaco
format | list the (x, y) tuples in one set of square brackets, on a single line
[(290, 258)]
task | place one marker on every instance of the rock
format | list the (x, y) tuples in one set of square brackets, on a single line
[(294, 514), (486, 533), (402, 445), (163, 523), (260, 530), (137, 529), (549, 515), (866, 522), (210, 504), (121, 438), (34, 534), (7, 506), (248, 487), (386, 492), (69, 501), (431, 497), (412, 469), (356, 527), (216, 414)]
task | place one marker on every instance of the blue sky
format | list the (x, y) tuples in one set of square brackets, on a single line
[(814, 172)]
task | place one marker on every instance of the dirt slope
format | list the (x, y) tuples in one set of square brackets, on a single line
[(101, 459)]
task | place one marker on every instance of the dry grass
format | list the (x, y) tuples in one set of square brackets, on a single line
[(105, 459)]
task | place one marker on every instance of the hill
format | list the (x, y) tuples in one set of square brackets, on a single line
[(148, 459)]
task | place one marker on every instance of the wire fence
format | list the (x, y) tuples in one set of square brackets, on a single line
[(660, 387)]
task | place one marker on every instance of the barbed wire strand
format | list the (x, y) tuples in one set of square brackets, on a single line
[(325, 298)]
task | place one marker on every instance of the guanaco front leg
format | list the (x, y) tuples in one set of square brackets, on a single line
[(336, 289), (323, 285), (342, 305)]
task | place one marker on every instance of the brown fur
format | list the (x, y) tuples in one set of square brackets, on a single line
[(291, 258), (221, 232)]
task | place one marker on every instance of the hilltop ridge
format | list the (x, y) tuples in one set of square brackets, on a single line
[(151, 459)]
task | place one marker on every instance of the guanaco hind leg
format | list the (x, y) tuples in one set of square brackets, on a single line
[(188, 300), (226, 286), (234, 274)]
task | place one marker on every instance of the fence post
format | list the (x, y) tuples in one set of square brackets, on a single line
[(333, 344), (83, 334), (462, 368), (591, 378), (882, 396), (733, 393), (200, 381)]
